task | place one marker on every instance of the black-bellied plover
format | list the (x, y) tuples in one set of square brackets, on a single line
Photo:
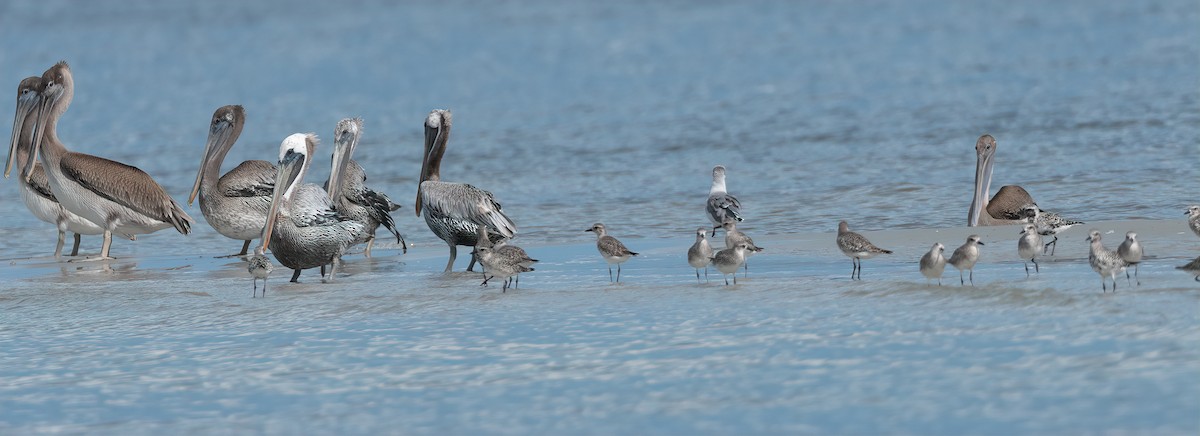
[(1192, 268), (700, 254), (1005, 207), (1029, 246), (1131, 252), (612, 250), (502, 265), (504, 250), (721, 204), (856, 247), (260, 267), (965, 256), (1048, 224), (1105, 262), (729, 260), (933, 263), (733, 236), (1193, 213)]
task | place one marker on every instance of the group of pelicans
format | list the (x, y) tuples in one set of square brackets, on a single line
[(309, 226)]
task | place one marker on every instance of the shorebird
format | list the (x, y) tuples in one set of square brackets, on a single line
[(964, 258), (260, 267), (612, 250), (856, 247), (503, 265), (1193, 213), (1005, 207), (734, 237), (729, 260), (1192, 268), (352, 197), (933, 263), (721, 205), (453, 211), (1105, 262), (1048, 224), (35, 186), (700, 254), (119, 198), (303, 229), (505, 253), (1131, 252), (1029, 246), (236, 204)]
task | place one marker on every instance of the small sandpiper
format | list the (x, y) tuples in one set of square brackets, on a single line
[(856, 247), (1131, 252), (504, 250), (700, 254), (613, 251), (1192, 268), (933, 263), (1029, 246), (503, 265), (1105, 262), (1193, 213), (729, 260), (964, 258), (1048, 224), (259, 266), (733, 237)]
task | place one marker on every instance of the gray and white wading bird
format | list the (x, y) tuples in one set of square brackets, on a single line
[(933, 263), (1105, 262), (721, 205), (454, 211), (733, 237), (1048, 224), (352, 197), (507, 258), (1130, 251), (700, 253), (965, 256), (236, 204), (119, 198), (35, 187), (1029, 246), (729, 260), (1193, 213), (856, 247), (260, 267), (1005, 207), (303, 229), (1192, 268), (612, 250)]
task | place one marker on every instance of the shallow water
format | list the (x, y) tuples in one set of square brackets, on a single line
[(821, 112)]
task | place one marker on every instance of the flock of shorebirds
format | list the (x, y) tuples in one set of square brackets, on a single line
[(305, 226)]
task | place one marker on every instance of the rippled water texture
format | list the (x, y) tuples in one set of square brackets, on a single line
[(573, 113)]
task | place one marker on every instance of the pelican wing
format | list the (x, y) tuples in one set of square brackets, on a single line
[(41, 184), (253, 178), (125, 185), (463, 201)]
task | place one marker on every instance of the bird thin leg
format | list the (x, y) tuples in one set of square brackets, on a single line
[(705, 273), (714, 233), (296, 276), (1053, 243), (610, 273), (264, 287), (961, 282), (1026, 269), (254, 288), (746, 268), (854, 268), (75, 248), (1135, 274), (245, 247), (972, 277), (367, 251), (505, 287), (727, 278), (697, 275), (619, 274), (322, 271), (62, 238), (453, 254), (1036, 268), (485, 280), (471, 266)]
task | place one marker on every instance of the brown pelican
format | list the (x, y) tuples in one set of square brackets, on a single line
[(454, 211), (352, 197), (236, 204), (1005, 207), (35, 192), (302, 229), (118, 197)]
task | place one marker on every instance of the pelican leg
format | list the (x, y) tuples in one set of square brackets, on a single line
[(296, 276), (245, 247), (332, 270), (103, 250), (471, 266), (75, 248), (453, 254), (62, 237), (370, 242)]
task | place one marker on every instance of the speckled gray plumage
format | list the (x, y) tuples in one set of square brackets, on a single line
[(366, 206), (1103, 261)]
